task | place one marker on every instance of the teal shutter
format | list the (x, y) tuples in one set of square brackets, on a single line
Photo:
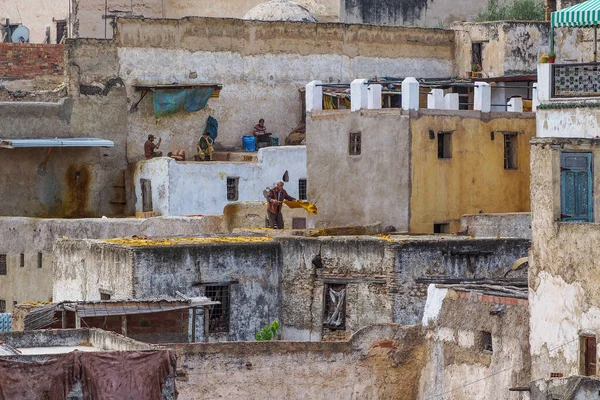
[(576, 187)]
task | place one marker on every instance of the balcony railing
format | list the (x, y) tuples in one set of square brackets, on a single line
[(576, 80)]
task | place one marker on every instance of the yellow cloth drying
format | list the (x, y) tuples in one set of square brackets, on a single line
[(309, 207)]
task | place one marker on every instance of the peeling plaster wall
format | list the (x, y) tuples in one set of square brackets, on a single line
[(379, 362), (563, 265), (191, 188), (262, 66), (458, 367), (497, 225), (580, 122), (35, 15)]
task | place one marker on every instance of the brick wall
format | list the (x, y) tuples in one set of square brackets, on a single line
[(28, 60)]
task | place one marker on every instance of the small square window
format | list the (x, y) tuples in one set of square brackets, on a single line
[(218, 320), (486, 342), (510, 150), (2, 306), (3, 268), (232, 188), (298, 223), (441, 228), (335, 306), (355, 143), (444, 145), (22, 260), (302, 189), (104, 296), (40, 260)]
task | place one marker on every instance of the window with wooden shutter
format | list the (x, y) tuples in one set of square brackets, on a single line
[(576, 187)]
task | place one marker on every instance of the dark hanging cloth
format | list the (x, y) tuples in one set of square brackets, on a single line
[(171, 101), (125, 375), (212, 127), (48, 380)]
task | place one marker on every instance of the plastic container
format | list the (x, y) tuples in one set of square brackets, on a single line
[(275, 141), (249, 143)]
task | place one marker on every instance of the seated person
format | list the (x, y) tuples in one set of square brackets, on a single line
[(178, 155), (260, 133), (205, 147), (150, 148)]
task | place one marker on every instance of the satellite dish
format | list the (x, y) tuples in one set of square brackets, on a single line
[(20, 35)]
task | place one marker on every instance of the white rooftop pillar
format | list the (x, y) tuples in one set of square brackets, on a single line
[(374, 96), (314, 96), (358, 94), (515, 104), (451, 101), (534, 98), (435, 99), (410, 94), (544, 82), (482, 100)]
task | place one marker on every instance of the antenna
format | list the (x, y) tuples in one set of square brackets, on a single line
[(20, 35)]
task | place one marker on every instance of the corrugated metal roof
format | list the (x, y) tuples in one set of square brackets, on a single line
[(127, 307), (56, 142)]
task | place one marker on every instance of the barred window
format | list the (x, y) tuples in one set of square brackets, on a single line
[(40, 259), (302, 189), (232, 188), (335, 306), (22, 260), (2, 306), (3, 264), (218, 320), (354, 143), (510, 150)]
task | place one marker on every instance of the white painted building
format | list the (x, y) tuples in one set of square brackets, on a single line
[(191, 188)]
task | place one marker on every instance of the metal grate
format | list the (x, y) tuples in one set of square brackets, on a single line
[(510, 150), (232, 188), (335, 306), (302, 189), (219, 313), (576, 80), (354, 146), (2, 264)]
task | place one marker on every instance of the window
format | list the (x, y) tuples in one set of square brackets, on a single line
[(587, 345), (2, 306), (146, 185), (298, 223), (302, 189), (444, 144), (22, 260), (61, 31), (476, 53), (335, 306), (104, 296), (218, 319), (354, 143), (232, 188), (510, 150), (441, 228), (576, 187), (3, 264), (485, 340), (40, 260)]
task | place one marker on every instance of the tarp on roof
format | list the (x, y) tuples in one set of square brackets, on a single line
[(56, 142), (580, 15)]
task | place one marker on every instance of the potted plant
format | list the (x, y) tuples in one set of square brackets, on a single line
[(551, 56), (475, 68)]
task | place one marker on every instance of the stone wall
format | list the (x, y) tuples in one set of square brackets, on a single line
[(458, 365), (379, 362)]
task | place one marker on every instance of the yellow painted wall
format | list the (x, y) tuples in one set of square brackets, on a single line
[(474, 179)]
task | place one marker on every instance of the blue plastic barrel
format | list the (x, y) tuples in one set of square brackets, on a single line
[(249, 143), (275, 141)]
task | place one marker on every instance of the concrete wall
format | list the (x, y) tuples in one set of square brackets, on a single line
[(474, 179), (457, 364), (425, 13), (517, 225), (563, 265), (507, 47), (379, 362), (580, 122), (257, 63), (361, 189), (190, 188), (31, 236), (36, 16)]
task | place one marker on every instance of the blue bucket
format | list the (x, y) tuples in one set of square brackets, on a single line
[(249, 143), (275, 141)]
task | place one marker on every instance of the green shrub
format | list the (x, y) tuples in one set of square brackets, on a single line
[(517, 10), (269, 332)]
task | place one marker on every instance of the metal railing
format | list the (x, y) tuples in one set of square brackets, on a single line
[(576, 80)]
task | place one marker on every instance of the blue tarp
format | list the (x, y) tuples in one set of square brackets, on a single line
[(171, 101)]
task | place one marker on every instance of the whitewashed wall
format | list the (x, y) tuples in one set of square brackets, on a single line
[(189, 188)]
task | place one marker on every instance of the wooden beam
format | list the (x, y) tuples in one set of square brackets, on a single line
[(194, 325), (206, 322), (64, 319), (77, 321)]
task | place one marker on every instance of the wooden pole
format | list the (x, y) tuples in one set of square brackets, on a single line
[(77, 321), (124, 325), (194, 325), (206, 320), (64, 319)]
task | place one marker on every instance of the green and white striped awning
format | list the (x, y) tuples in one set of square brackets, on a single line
[(582, 14)]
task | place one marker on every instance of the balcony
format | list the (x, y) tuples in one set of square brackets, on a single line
[(575, 80)]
